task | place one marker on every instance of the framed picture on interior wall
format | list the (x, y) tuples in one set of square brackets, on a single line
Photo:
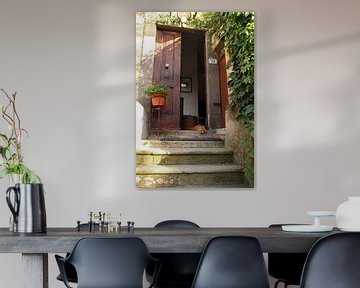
[(185, 85), (190, 61)]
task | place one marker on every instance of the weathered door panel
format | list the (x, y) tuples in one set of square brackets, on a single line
[(167, 72), (212, 88), (223, 88)]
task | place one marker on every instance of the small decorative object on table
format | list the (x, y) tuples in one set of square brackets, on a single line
[(316, 227), (130, 226), (348, 214), (102, 222), (26, 197)]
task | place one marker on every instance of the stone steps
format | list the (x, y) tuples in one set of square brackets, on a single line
[(178, 156), (184, 135), (183, 144), (157, 176), (186, 159)]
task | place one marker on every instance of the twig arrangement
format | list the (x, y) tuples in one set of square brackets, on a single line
[(12, 160)]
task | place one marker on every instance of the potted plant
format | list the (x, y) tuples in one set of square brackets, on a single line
[(158, 93), (25, 197)]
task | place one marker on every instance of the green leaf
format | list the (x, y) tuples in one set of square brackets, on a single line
[(3, 173), (4, 137)]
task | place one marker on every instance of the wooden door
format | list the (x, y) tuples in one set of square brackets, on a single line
[(167, 72), (223, 88)]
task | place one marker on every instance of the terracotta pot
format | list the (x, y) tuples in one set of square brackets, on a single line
[(158, 100)]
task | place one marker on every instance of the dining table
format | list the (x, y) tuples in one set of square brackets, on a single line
[(35, 247)]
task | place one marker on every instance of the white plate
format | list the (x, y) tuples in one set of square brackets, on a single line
[(321, 213), (306, 228), (350, 229)]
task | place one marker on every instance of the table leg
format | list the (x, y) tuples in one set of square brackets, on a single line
[(35, 270)]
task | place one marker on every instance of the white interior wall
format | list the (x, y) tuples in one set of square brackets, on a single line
[(73, 66)]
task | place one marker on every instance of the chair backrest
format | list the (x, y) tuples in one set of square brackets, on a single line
[(232, 262), (176, 224), (333, 262), (110, 262), (178, 269)]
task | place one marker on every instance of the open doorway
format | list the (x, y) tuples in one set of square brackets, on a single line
[(192, 81), (179, 64)]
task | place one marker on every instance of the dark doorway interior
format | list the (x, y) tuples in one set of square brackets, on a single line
[(193, 68)]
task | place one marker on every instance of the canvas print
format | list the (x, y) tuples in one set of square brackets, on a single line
[(195, 99)]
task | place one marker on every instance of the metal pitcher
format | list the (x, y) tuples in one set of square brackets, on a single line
[(27, 207)]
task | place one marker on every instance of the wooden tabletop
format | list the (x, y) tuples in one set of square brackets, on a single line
[(158, 240)]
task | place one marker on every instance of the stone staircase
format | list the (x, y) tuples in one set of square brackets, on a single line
[(186, 159)]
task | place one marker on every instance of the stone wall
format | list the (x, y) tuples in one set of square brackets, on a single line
[(145, 51), (233, 136)]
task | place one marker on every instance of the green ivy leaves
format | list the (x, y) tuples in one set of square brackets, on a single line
[(236, 30)]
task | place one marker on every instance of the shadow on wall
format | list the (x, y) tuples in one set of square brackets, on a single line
[(310, 121)]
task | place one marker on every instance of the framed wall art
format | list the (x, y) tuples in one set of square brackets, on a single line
[(185, 85), (191, 58)]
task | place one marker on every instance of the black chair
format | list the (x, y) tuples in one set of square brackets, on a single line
[(333, 262), (69, 269), (178, 269), (286, 267), (232, 262), (108, 262), (176, 224)]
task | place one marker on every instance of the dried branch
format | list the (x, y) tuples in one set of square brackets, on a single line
[(11, 156)]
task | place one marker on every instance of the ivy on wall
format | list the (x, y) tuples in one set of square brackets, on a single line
[(236, 31)]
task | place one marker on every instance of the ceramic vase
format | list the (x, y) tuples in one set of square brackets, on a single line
[(348, 214), (27, 204), (13, 179)]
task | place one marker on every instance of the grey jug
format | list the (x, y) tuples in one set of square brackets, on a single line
[(28, 208)]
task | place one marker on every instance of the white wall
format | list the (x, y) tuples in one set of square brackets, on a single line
[(73, 66)]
